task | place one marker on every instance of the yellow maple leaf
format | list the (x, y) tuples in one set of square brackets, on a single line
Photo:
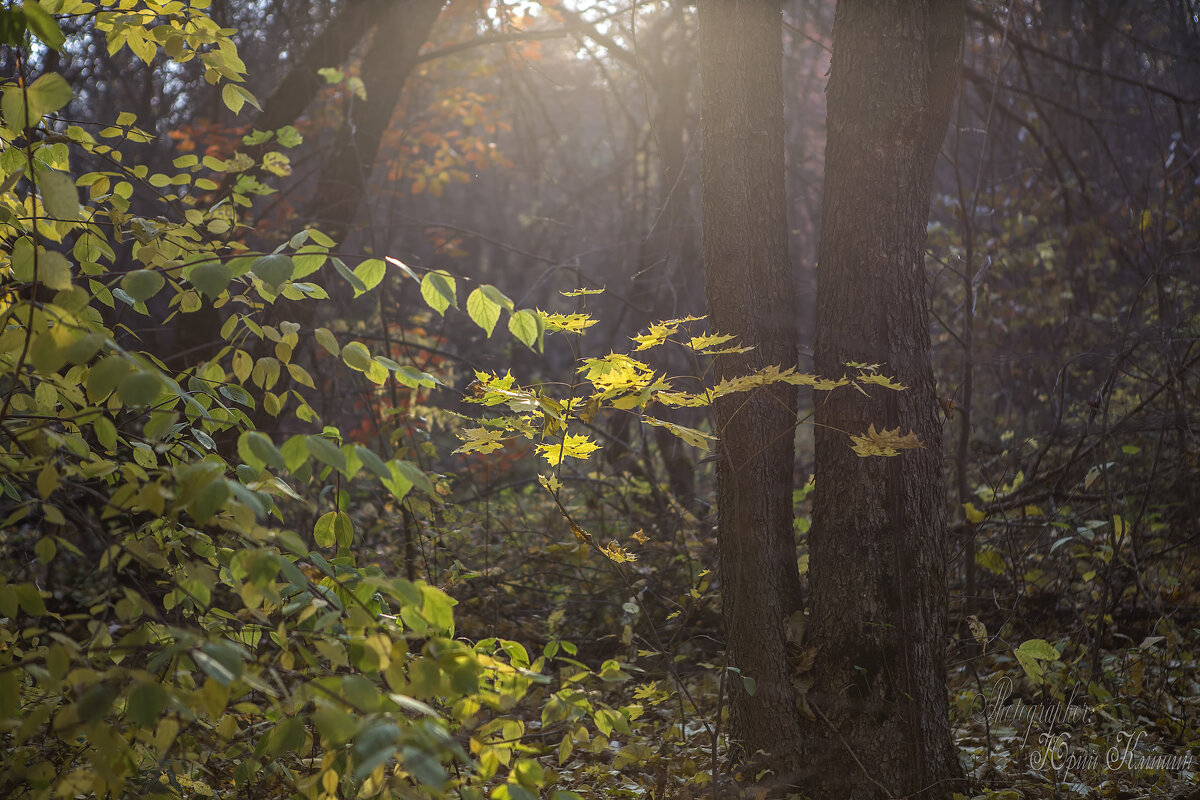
[(480, 440), (701, 343), (617, 554), (580, 533), (681, 399), (640, 537), (572, 445), (571, 323), (582, 292), (658, 334), (692, 436), (881, 380), (884, 443)]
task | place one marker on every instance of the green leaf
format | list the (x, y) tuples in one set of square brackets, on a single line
[(326, 339), (334, 724), (373, 462), (95, 703), (30, 599), (59, 195), (498, 297), (416, 475), (326, 451), (105, 376), (357, 356), (527, 326), (146, 701), (374, 746), (484, 311), (257, 449), (512, 791), (54, 270), (140, 389), (210, 278), (10, 693), (1039, 649), (438, 289), (370, 273), (142, 284), (236, 394), (226, 655), (334, 527), (47, 94), (42, 25), (209, 499), (234, 97), (351, 278), (424, 767), (45, 549), (274, 271)]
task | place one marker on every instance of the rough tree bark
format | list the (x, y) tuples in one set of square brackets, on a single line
[(877, 549), (750, 292)]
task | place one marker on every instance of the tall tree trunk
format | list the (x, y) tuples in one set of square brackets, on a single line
[(877, 546), (402, 29), (750, 293), (330, 48)]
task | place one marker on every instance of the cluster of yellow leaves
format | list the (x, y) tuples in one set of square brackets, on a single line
[(624, 381)]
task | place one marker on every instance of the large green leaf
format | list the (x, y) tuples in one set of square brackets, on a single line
[(140, 389), (483, 310), (528, 327), (257, 450), (370, 273), (326, 451), (438, 290), (357, 356), (274, 271), (146, 701), (334, 527), (42, 24), (47, 94), (142, 284), (59, 195), (210, 278)]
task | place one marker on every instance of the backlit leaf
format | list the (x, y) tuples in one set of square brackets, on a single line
[(527, 326), (483, 310), (572, 446), (370, 273), (438, 290)]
